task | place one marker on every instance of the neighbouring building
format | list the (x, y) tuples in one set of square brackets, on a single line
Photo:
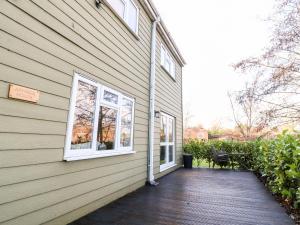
[(196, 133), (90, 105)]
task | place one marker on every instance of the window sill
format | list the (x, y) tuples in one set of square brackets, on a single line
[(99, 155), (135, 34), (166, 71), (166, 166)]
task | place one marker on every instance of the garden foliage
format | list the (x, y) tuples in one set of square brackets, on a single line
[(277, 161)]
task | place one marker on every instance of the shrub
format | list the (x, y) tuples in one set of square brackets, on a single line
[(277, 161)]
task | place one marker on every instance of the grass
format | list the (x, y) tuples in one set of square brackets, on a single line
[(203, 164)]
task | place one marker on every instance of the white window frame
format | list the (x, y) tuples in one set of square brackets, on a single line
[(125, 17), (168, 164), (165, 57), (78, 154)]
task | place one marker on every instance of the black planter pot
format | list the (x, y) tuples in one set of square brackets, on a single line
[(188, 161)]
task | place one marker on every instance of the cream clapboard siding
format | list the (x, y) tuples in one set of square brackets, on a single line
[(168, 99), (42, 43)]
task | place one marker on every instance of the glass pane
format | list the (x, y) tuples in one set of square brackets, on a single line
[(172, 72), (171, 130), (118, 5), (171, 153), (106, 128), (163, 129), (82, 133), (110, 97), (162, 155), (132, 16), (126, 123), (167, 64)]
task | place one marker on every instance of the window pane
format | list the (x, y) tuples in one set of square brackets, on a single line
[(118, 5), (163, 129), (172, 72), (110, 97), (106, 128), (171, 153), (126, 123), (167, 63), (82, 133), (132, 16), (171, 129), (162, 155)]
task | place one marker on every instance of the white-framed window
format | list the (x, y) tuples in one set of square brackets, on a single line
[(167, 61), (167, 141), (128, 11), (100, 121)]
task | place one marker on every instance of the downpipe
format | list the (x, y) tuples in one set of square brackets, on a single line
[(150, 167)]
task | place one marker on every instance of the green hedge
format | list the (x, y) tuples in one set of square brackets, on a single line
[(202, 151), (277, 161)]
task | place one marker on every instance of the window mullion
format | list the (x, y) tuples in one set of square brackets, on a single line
[(118, 126), (96, 122), (167, 139)]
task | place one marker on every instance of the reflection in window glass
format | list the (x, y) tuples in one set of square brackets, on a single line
[(162, 155), (110, 97), (106, 128), (167, 61), (132, 15), (163, 129), (171, 135), (126, 123), (118, 5), (82, 133), (167, 141), (170, 153)]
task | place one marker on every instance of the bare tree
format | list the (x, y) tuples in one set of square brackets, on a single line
[(248, 112), (278, 69), (187, 116)]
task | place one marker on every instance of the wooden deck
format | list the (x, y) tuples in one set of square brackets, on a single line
[(197, 196)]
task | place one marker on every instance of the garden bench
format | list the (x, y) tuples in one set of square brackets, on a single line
[(220, 158)]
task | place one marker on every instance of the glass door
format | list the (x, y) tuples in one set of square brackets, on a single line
[(167, 141)]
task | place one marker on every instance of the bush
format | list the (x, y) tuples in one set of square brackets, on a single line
[(278, 161)]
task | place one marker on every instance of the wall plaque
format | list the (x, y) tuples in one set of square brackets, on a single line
[(23, 93)]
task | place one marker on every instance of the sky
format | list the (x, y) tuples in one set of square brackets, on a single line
[(212, 35)]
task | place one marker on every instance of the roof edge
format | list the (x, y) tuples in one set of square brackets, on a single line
[(154, 15)]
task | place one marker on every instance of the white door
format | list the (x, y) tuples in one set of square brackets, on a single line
[(167, 141)]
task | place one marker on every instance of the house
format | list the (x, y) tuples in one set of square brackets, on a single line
[(197, 132), (90, 106)]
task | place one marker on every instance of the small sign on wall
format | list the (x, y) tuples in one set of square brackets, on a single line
[(23, 93)]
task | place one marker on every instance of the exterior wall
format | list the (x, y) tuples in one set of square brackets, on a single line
[(168, 99), (41, 44)]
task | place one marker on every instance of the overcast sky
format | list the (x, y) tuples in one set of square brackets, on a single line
[(212, 35)]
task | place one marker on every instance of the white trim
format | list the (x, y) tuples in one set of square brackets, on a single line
[(166, 166), (115, 153), (93, 152)]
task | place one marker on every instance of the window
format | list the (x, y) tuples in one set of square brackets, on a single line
[(167, 142), (167, 61), (128, 11), (100, 121)]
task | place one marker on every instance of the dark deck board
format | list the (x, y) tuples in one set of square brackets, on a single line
[(197, 196)]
